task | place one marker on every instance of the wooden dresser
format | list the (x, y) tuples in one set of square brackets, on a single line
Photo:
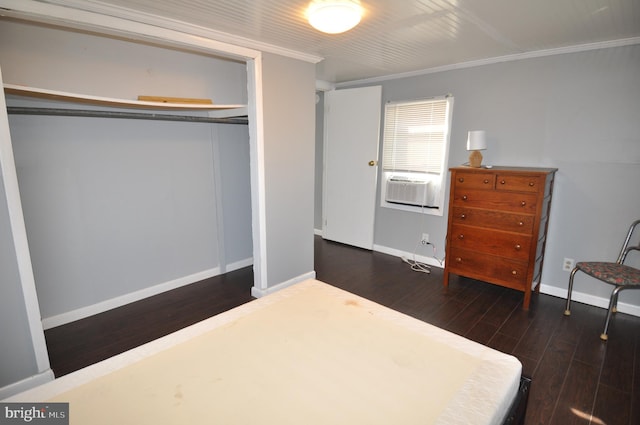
[(498, 224)]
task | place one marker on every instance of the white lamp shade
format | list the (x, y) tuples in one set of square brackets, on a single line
[(477, 140), (334, 16)]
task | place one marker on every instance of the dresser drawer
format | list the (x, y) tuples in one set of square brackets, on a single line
[(496, 200), (504, 244), (519, 183), (475, 181), (508, 272), (493, 219)]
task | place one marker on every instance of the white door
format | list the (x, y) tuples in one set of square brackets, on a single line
[(351, 139)]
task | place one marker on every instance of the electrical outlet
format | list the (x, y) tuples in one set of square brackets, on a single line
[(568, 264), (425, 238)]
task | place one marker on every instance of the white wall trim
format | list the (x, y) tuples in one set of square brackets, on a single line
[(322, 85), (26, 384), (258, 292), (20, 242), (499, 59), (81, 313), (410, 255), (546, 289), (589, 299), (257, 170), (237, 265), (112, 25), (182, 26)]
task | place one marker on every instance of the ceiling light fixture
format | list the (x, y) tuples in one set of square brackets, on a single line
[(334, 16)]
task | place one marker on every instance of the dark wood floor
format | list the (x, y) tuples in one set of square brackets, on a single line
[(87, 341), (577, 379)]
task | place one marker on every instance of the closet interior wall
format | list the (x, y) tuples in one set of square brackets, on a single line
[(118, 209)]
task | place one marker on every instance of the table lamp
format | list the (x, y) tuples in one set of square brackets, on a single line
[(476, 142)]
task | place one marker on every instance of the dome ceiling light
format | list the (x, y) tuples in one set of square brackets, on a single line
[(334, 16)]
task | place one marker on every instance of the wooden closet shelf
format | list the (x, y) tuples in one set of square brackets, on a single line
[(109, 101)]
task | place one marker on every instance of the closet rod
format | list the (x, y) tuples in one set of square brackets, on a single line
[(17, 110)]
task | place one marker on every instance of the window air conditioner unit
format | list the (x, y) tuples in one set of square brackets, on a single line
[(401, 190)]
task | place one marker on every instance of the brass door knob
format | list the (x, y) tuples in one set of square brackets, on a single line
[(372, 163)]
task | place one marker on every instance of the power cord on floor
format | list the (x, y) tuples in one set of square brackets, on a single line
[(420, 266), (417, 266)]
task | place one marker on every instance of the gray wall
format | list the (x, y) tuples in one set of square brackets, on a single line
[(231, 159), (577, 112), (113, 206), (57, 59), (289, 152), (117, 206)]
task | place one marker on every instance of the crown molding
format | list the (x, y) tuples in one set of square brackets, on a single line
[(322, 85), (29, 8), (498, 59)]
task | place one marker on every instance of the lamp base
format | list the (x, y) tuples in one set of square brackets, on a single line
[(475, 159)]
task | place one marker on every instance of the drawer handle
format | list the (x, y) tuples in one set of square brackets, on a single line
[(518, 247), (461, 179), (521, 223), (463, 216), (531, 184), (486, 181), (514, 272), (523, 203), (502, 182), (464, 197), (458, 260), (460, 236)]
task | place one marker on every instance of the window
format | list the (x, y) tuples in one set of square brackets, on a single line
[(414, 153)]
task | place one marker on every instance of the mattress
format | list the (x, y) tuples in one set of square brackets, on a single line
[(311, 354)]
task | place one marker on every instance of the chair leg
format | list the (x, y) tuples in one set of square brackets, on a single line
[(612, 305), (567, 309)]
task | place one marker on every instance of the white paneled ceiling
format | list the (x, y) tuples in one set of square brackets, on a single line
[(403, 36)]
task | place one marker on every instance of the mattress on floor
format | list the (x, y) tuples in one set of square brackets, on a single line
[(308, 354)]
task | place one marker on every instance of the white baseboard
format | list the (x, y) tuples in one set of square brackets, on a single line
[(81, 313), (589, 299), (397, 253), (257, 292), (239, 264), (26, 384), (317, 232), (577, 296)]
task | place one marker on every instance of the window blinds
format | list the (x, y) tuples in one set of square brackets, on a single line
[(415, 134)]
